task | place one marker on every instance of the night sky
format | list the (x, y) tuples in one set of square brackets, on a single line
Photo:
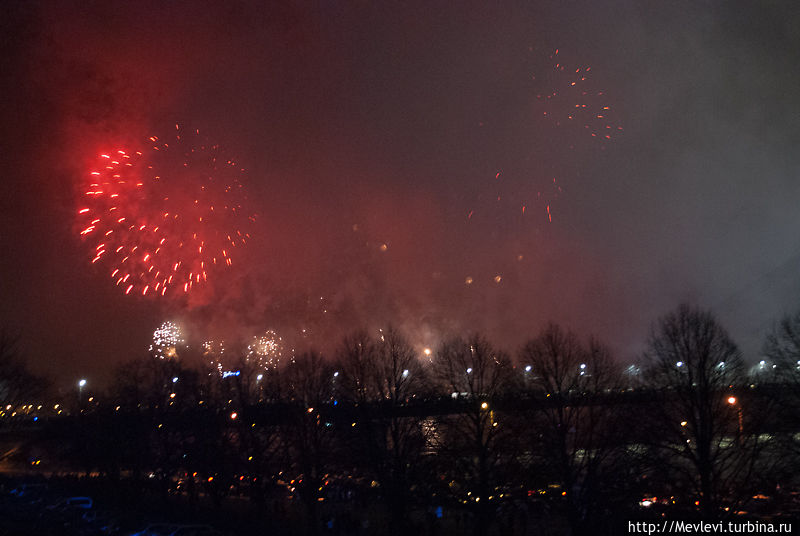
[(389, 148)]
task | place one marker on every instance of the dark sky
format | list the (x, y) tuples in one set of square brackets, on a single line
[(367, 124)]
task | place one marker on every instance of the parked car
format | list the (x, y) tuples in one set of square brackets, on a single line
[(72, 504), (82, 503), (195, 530), (26, 490), (157, 529), (100, 523)]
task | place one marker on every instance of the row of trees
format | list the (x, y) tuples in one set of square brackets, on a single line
[(560, 434), (17, 382)]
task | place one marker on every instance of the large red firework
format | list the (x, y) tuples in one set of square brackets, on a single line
[(164, 215)]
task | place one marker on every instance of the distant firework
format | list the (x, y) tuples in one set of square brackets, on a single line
[(214, 353), (565, 110), (163, 215), (166, 341), (572, 98), (265, 351)]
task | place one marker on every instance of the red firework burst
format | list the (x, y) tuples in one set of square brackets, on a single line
[(164, 215)]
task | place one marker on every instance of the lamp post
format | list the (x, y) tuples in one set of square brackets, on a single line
[(734, 402), (81, 385)]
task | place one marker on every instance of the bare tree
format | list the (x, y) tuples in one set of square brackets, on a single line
[(356, 360), (473, 440), (782, 349), (691, 366), (157, 403), (308, 438), (573, 426), (379, 377), (17, 383)]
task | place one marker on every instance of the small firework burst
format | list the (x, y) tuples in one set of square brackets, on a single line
[(167, 339)]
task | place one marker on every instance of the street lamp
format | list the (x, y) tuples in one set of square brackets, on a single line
[(734, 402), (81, 385)]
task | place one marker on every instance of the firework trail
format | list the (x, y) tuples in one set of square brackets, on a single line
[(166, 214)]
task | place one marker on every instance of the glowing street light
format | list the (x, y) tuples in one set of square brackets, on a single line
[(81, 385), (734, 402)]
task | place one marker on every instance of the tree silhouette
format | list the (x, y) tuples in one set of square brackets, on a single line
[(17, 383), (472, 443), (379, 378), (309, 438), (782, 349), (691, 365), (574, 429)]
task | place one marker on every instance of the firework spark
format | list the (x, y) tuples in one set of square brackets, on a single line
[(164, 216), (166, 341), (214, 353), (265, 351), (572, 99)]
